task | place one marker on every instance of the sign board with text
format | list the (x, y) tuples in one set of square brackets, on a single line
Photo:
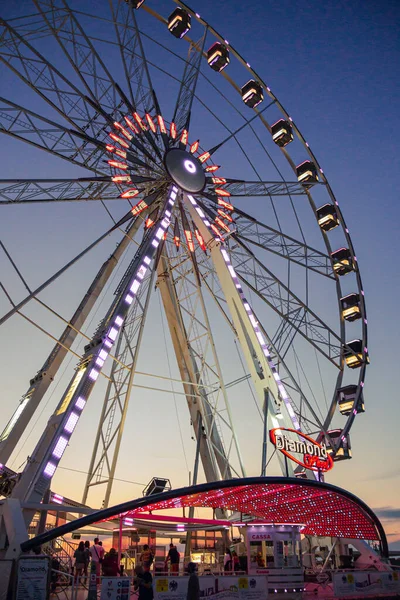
[(366, 583), (233, 587), (115, 588), (33, 574)]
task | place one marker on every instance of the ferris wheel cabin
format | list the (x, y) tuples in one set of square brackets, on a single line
[(179, 22), (218, 56), (340, 447), (354, 354), (342, 261), (282, 133), (350, 304), (327, 217), (346, 399), (307, 172), (252, 93)]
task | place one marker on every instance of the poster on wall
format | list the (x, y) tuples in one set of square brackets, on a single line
[(216, 588)]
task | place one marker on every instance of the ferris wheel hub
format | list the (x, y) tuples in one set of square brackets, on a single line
[(185, 170)]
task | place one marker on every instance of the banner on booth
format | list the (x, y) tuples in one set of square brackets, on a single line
[(365, 583), (213, 588)]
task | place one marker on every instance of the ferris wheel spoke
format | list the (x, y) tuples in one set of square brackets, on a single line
[(60, 272), (27, 126), (286, 304), (49, 83), (49, 190), (188, 85), (238, 188), (249, 230), (82, 55)]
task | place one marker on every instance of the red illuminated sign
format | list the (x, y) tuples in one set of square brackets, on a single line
[(315, 456)]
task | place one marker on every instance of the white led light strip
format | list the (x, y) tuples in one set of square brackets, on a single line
[(282, 391), (93, 368)]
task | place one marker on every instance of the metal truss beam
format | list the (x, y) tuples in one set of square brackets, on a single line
[(41, 382), (82, 55), (116, 402), (28, 192), (48, 82), (260, 369), (286, 304), (261, 235), (38, 473), (25, 125), (237, 188), (198, 364)]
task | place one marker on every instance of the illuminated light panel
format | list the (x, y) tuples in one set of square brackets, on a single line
[(110, 148), (123, 130), (321, 510), (112, 334), (121, 179), (225, 204), (71, 423), (203, 157), (222, 224), (216, 231), (225, 215), (161, 124), (147, 260), (135, 286), (99, 361), (119, 320), (172, 130), (200, 239), (195, 146), (131, 193), (94, 374), (140, 207), (49, 469), (142, 272), (57, 499), (117, 165), (219, 180), (139, 121), (119, 140), (222, 192), (60, 446), (212, 168), (120, 152), (184, 137), (128, 299), (131, 125), (149, 222), (189, 239), (80, 403), (151, 123)]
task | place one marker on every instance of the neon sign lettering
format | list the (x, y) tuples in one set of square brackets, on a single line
[(315, 455)]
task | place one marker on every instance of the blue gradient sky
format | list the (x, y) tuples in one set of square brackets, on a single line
[(334, 65)]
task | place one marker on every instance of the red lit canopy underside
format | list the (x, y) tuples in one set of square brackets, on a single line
[(322, 509), (323, 512)]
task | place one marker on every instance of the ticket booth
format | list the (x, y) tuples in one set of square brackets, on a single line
[(273, 547)]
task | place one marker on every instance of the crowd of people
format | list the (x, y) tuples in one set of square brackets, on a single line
[(93, 557)]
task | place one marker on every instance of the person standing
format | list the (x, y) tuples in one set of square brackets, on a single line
[(173, 557), (193, 591), (228, 560), (79, 556), (87, 560), (97, 554), (110, 566), (143, 582), (146, 558)]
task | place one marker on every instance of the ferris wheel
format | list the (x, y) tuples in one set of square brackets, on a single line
[(146, 111)]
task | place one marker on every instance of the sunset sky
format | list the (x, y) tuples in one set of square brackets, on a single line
[(334, 66)]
